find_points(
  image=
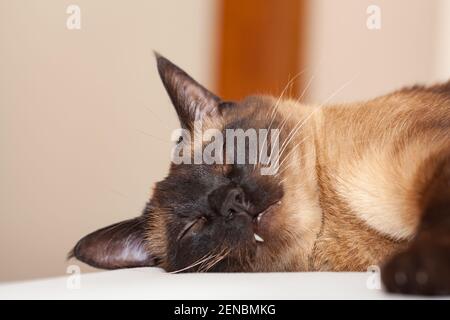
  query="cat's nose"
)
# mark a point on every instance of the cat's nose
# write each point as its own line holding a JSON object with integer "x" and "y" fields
{"x": 228, "y": 201}
{"x": 234, "y": 203}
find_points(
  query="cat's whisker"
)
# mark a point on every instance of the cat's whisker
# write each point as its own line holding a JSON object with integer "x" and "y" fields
{"x": 206, "y": 257}
{"x": 292, "y": 134}
{"x": 297, "y": 128}
{"x": 275, "y": 107}
{"x": 339, "y": 90}
{"x": 219, "y": 257}
{"x": 306, "y": 89}
{"x": 308, "y": 85}
{"x": 280, "y": 97}
{"x": 265, "y": 141}
{"x": 291, "y": 152}
{"x": 302, "y": 156}
{"x": 158, "y": 118}
{"x": 302, "y": 122}
{"x": 298, "y": 99}
{"x": 154, "y": 137}
{"x": 279, "y": 173}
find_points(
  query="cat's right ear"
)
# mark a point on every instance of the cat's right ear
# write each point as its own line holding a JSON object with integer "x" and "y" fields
{"x": 191, "y": 100}
{"x": 121, "y": 245}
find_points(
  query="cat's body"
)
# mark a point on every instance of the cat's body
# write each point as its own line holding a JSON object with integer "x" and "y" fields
{"x": 374, "y": 161}
{"x": 358, "y": 185}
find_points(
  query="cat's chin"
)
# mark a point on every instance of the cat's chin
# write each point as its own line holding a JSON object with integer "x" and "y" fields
{"x": 261, "y": 223}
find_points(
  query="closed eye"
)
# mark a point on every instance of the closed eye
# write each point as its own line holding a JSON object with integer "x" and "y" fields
{"x": 196, "y": 224}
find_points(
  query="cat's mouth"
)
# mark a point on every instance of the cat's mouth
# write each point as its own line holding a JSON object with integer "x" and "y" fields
{"x": 260, "y": 221}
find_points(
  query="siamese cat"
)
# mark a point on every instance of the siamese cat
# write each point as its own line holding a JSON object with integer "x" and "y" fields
{"x": 358, "y": 184}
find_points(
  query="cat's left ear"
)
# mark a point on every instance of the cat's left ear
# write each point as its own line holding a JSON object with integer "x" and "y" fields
{"x": 191, "y": 100}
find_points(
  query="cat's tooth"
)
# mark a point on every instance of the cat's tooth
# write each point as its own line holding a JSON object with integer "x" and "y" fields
{"x": 258, "y": 238}
{"x": 259, "y": 218}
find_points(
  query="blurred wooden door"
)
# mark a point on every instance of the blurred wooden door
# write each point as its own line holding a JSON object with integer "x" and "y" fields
{"x": 260, "y": 46}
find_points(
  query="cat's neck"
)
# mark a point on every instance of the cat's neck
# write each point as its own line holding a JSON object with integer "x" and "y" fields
{"x": 300, "y": 177}
{"x": 325, "y": 144}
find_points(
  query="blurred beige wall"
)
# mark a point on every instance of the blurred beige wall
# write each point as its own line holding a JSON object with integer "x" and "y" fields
{"x": 84, "y": 121}
{"x": 411, "y": 47}
{"x": 442, "y": 63}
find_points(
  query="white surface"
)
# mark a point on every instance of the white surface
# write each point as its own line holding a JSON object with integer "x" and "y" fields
{"x": 153, "y": 283}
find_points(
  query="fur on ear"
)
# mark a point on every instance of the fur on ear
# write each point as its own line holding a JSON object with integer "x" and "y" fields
{"x": 190, "y": 99}
{"x": 121, "y": 245}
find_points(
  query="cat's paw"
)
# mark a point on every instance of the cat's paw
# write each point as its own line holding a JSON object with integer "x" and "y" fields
{"x": 423, "y": 269}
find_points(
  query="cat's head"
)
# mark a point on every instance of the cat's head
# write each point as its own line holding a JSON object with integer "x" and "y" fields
{"x": 227, "y": 215}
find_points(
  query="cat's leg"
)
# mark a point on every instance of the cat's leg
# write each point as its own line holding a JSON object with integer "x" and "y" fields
{"x": 424, "y": 268}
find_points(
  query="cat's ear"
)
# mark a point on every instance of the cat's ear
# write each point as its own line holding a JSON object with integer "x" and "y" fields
{"x": 121, "y": 245}
{"x": 190, "y": 99}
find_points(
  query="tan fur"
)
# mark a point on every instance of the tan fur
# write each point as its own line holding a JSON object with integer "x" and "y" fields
{"x": 373, "y": 161}
{"x": 157, "y": 235}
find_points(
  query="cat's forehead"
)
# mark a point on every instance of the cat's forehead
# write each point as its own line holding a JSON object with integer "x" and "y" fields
{"x": 251, "y": 112}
